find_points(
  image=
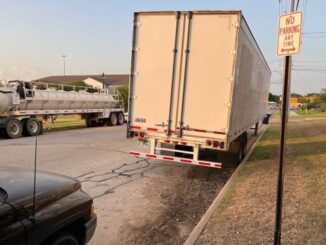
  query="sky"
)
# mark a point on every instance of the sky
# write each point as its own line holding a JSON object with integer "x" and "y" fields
{"x": 95, "y": 36}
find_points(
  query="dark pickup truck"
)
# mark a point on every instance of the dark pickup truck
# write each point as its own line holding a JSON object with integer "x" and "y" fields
{"x": 63, "y": 213}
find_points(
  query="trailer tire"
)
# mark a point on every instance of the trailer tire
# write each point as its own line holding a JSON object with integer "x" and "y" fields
{"x": 12, "y": 128}
{"x": 245, "y": 144}
{"x": 242, "y": 150}
{"x": 32, "y": 127}
{"x": 113, "y": 119}
{"x": 121, "y": 118}
{"x": 23, "y": 122}
{"x": 90, "y": 122}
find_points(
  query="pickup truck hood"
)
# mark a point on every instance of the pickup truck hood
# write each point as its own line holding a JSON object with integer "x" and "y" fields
{"x": 19, "y": 184}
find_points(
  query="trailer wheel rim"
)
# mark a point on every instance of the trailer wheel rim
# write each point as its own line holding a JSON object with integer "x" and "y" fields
{"x": 33, "y": 127}
{"x": 14, "y": 128}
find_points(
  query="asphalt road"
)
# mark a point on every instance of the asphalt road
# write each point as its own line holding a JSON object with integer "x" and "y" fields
{"x": 135, "y": 199}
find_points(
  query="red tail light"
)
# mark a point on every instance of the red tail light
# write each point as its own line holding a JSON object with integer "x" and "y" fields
{"x": 142, "y": 135}
{"x": 209, "y": 142}
{"x": 216, "y": 144}
{"x": 136, "y": 134}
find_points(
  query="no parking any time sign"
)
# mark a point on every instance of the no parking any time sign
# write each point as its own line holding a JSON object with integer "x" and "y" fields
{"x": 289, "y": 34}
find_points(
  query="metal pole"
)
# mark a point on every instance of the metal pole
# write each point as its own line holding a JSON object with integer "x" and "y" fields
{"x": 280, "y": 183}
{"x": 64, "y": 65}
{"x": 103, "y": 79}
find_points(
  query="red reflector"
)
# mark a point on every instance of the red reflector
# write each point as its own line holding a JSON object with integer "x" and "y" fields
{"x": 152, "y": 129}
{"x": 218, "y": 132}
{"x": 216, "y": 144}
{"x": 184, "y": 143}
{"x": 141, "y": 134}
{"x": 200, "y": 130}
{"x": 150, "y": 156}
{"x": 185, "y": 161}
{"x": 218, "y": 165}
{"x": 134, "y": 153}
{"x": 175, "y": 142}
{"x": 136, "y": 127}
{"x": 168, "y": 158}
{"x": 204, "y": 163}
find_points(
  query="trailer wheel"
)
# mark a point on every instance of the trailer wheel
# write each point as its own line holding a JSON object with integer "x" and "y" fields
{"x": 32, "y": 127}
{"x": 245, "y": 144}
{"x": 121, "y": 118}
{"x": 90, "y": 122}
{"x": 242, "y": 150}
{"x": 12, "y": 128}
{"x": 113, "y": 120}
{"x": 23, "y": 123}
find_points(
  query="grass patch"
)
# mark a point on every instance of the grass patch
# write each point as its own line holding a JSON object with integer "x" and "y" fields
{"x": 310, "y": 113}
{"x": 246, "y": 213}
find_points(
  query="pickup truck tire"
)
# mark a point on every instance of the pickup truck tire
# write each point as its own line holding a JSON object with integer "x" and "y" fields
{"x": 121, "y": 118}
{"x": 113, "y": 120}
{"x": 12, "y": 128}
{"x": 32, "y": 127}
{"x": 64, "y": 239}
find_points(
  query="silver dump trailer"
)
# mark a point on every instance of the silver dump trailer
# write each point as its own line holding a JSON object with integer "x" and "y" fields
{"x": 199, "y": 82}
{"x": 23, "y": 105}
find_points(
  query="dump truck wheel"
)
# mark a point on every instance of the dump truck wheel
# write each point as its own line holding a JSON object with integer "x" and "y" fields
{"x": 32, "y": 127}
{"x": 13, "y": 128}
{"x": 121, "y": 118}
{"x": 113, "y": 120}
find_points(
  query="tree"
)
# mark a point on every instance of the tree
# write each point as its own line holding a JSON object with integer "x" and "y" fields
{"x": 295, "y": 95}
{"x": 322, "y": 99}
{"x": 124, "y": 92}
{"x": 274, "y": 98}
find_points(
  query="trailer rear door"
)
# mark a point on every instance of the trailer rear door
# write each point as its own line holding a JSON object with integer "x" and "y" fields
{"x": 156, "y": 58}
{"x": 208, "y": 76}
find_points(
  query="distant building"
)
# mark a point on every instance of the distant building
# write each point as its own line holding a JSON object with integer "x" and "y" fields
{"x": 95, "y": 81}
{"x": 294, "y": 103}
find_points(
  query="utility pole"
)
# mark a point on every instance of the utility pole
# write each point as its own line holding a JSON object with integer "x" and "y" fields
{"x": 103, "y": 79}
{"x": 285, "y": 110}
{"x": 64, "y": 64}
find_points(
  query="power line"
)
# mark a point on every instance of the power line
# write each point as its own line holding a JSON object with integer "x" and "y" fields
{"x": 296, "y": 9}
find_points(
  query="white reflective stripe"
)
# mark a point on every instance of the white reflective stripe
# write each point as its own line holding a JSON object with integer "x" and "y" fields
{"x": 177, "y": 159}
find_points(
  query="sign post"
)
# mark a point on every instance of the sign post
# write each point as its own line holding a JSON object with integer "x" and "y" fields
{"x": 289, "y": 43}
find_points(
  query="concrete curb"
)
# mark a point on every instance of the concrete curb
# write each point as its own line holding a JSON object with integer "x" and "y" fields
{"x": 196, "y": 232}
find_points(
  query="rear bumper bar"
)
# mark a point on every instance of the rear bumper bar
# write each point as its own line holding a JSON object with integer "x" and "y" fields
{"x": 177, "y": 159}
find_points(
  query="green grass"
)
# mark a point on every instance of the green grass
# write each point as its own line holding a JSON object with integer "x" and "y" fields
{"x": 311, "y": 113}
{"x": 246, "y": 212}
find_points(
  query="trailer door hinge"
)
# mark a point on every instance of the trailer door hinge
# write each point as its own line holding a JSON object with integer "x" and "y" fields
{"x": 236, "y": 24}
{"x": 135, "y": 49}
{"x": 137, "y": 24}
{"x": 230, "y": 78}
{"x": 233, "y": 51}
{"x": 228, "y": 104}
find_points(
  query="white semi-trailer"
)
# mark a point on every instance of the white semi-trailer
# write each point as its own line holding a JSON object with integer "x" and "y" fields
{"x": 23, "y": 105}
{"x": 198, "y": 83}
